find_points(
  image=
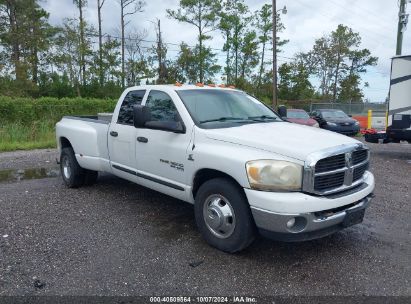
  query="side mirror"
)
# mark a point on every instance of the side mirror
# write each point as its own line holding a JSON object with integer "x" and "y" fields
{"x": 171, "y": 126}
{"x": 282, "y": 111}
{"x": 141, "y": 115}
{"x": 142, "y": 119}
{"x": 349, "y": 115}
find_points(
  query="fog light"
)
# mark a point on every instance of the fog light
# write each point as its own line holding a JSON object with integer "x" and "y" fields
{"x": 291, "y": 223}
{"x": 296, "y": 224}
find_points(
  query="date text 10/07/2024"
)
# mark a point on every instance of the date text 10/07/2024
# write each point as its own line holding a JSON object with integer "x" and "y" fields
{"x": 181, "y": 299}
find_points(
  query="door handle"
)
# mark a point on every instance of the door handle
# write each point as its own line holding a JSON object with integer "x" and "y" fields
{"x": 114, "y": 133}
{"x": 142, "y": 139}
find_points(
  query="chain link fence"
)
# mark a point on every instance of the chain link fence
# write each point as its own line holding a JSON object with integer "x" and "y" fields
{"x": 379, "y": 109}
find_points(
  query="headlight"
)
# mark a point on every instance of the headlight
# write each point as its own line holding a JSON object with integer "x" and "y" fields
{"x": 316, "y": 125}
{"x": 357, "y": 123}
{"x": 332, "y": 124}
{"x": 274, "y": 175}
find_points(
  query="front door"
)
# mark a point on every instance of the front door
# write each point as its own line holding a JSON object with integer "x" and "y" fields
{"x": 162, "y": 155}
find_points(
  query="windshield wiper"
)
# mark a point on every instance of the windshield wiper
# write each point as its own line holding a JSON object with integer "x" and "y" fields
{"x": 262, "y": 118}
{"x": 222, "y": 119}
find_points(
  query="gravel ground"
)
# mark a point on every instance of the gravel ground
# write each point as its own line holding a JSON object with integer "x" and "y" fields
{"x": 117, "y": 238}
{"x": 42, "y": 158}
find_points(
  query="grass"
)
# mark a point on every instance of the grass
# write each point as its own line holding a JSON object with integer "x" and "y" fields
{"x": 18, "y": 136}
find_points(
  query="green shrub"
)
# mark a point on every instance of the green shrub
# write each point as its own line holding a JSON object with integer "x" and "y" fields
{"x": 27, "y": 123}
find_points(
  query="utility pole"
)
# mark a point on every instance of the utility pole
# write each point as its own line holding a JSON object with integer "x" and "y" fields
{"x": 402, "y": 24}
{"x": 274, "y": 55}
{"x": 160, "y": 53}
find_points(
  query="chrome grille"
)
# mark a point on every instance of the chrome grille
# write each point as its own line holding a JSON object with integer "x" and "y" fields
{"x": 330, "y": 163}
{"x": 359, "y": 172}
{"x": 359, "y": 156}
{"x": 335, "y": 170}
{"x": 327, "y": 182}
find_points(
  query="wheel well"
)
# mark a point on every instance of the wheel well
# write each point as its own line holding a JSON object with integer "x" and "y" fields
{"x": 65, "y": 143}
{"x": 204, "y": 175}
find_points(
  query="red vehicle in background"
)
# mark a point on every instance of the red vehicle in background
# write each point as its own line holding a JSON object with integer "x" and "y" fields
{"x": 301, "y": 117}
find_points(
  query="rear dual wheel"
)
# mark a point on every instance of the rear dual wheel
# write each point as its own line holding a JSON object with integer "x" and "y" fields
{"x": 73, "y": 175}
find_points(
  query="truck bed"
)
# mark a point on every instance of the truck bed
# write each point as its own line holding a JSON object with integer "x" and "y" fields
{"x": 88, "y": 137}
{"x": 90, "y": 118}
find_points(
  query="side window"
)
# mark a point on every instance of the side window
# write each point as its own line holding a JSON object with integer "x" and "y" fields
{"x": 125, "y": 116}
{"x": 161, "y": 107}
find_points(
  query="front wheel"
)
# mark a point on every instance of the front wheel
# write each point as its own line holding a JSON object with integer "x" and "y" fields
{"x": 223, "y": 215}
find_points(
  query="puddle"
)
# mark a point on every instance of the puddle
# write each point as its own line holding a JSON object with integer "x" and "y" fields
{"x": 23, "y": 174}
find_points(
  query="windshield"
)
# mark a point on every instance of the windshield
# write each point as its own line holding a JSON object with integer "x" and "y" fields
{"x": 297, "y": 114}
{"x": 222, "y": 108}
{"x": 334, "y": 114}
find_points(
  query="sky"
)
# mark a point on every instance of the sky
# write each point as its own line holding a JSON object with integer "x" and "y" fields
{"x": 305, "y": 21}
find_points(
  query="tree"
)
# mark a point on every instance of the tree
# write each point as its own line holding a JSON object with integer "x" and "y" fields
{"x": 25, "y": 34}
{"x": 342, "y": 40}
{"x": 226, "y": 23}
{"x": 137, "y": 6}
{"x": 80, "y": 5}
{"x": 294, "y": 81}
{"x": 69, "y": 50}
{"x": 137, "y": 64}
{"x": 203, "y": 15}
{"x": 240, "y": 19}
{"x": 350, "y": 90}
{"x": 111, "y": 60}
{"x": 100, "y": 4}
{"x": 39, "y": 38}
{"x": 335, "y": 57}
{"x": 264, "y": 25}
{"x": 350, "y": 85}
{"x": 248, "y": 55}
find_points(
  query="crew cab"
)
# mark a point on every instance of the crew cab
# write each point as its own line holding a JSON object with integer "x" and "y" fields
{"x": 245, "y": 169}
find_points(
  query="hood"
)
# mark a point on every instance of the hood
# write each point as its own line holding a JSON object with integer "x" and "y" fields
{"x": 303, "y": 121}
{"x": 288, "y": 139}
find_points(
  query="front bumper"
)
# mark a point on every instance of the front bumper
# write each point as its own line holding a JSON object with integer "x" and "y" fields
{"x": 347, "y": 130}
{"x": 314, "y": 216}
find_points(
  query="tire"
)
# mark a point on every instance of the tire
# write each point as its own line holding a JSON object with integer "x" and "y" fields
{"x": 73, "y": 175}
{"x": 233, "y": 232}
{"x": 90, "y": 177}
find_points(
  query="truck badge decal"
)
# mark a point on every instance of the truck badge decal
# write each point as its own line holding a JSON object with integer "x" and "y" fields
{"x": 172, "y": 164}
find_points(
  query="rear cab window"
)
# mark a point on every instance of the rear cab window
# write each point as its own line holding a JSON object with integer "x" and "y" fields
{"x": 133, "y": 98}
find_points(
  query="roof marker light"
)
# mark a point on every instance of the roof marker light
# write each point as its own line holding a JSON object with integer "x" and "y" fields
{"x": 221, "y": 85}
{"x": 177, "y": 84}
{"x": 231, "y": 87}
{"x": 211, "y": 85}
{"x": 199, "y": 84}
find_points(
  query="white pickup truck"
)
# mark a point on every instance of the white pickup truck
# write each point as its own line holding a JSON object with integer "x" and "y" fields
{"x": 243, "y": 167}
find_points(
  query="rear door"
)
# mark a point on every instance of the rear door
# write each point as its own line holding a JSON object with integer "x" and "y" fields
{"x": 121, "y": 135}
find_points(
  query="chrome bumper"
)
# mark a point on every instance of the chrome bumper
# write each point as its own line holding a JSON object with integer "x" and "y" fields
{"x": 305, "y": 226}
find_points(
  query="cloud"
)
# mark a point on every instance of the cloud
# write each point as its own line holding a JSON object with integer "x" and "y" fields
{"x": 376, "y": 21}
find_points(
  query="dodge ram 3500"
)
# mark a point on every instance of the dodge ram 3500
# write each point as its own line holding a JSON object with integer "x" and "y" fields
{"x": 243, "y": 167}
